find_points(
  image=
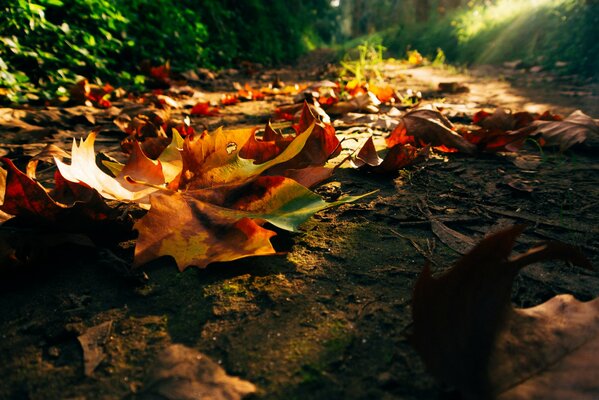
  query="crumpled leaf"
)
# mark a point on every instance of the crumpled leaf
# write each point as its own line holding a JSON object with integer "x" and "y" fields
{"x": 385, "y": 93}
{"x": 23, "y": 196}
{"x": 398, "y": 157}
{"x": 423, "y": 127}
{"x": 463, "y": 320}
{"x": 166, "y": 169}
{"x": 223, "y": 223}
{"x": 502, "y": 119}
{"x": 500, "y": 131}
{"x": 268, "y": 147}
{"x": 182, "y": 373}
{"x": 213, "y": 159}
{"x": 246, "y": 92}
{"x": 575, "y": 128}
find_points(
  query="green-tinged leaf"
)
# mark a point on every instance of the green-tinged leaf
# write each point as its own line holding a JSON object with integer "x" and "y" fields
{"x": 223, "y": 224}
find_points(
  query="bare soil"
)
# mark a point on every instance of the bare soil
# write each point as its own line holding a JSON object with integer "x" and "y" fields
{"x": 330, "y": 316}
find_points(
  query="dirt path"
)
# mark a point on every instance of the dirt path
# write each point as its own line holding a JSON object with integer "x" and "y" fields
{"x": 329, "y": 317}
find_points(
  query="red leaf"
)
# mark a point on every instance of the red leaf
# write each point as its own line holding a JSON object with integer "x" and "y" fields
{"x": 23, "y": 196}
{"x": 72, "y": 204}
{"x": 424, "y": 127}
{"x": 398, "y": 157}
{"x": 204, "y": 108}
{"x": 498, "y": 140}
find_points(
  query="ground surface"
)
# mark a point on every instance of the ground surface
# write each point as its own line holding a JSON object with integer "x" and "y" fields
{"x": 328, "y": 318}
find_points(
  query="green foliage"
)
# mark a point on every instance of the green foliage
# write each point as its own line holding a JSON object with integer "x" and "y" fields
{"x": 362, "y": 62}
{"x": 162, "y": 30}
{"x": 48, "y": 43}
{"x": 52, "y": 40}
{"x": 268, "y": 32}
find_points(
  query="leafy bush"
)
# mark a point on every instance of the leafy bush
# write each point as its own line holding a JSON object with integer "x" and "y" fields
{"x": 46, "y": 43}
{"x": 52, "y": 40}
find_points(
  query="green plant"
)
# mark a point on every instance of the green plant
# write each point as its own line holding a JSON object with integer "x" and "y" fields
{"x": 362, "y": 63}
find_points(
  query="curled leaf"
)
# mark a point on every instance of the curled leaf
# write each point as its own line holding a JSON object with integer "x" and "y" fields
{"x": 423, "y": 127}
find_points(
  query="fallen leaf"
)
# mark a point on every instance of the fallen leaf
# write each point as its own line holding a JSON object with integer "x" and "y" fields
{"x": 470, "y": 336}
{"x": 365, "y": 102}
{"x": 385, "y": 93}
{"x": 85, "y": 93}
{"x": 183, "y": 373}
{"x": 213, "y": 159}
{"x": 502, "y": 119}
{"x": 229, "y": 99}
{"x": 204, "y": 108}
{"x": 160, "y": 75}
{"x": 423, "y": 127}
{"x": 574, "y": 129}
{"x": 398, "y": 157}
{"x": 223, "y": 223}
{"x": 83, "y": 169}
{"x": 246, "y": 92}
{"x": 47, "y": 154}
{"x": 69, "y": 207}
{"x": 25, "y": 197}
{"x": 92, "y": 342}
{"x": 322, "y": 144}
{"x": 498, "y": 140}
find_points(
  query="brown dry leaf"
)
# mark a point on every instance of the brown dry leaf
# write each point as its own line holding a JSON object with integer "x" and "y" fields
{"x": 183, "y": 373}
{"x": 502, "y": 119}
{"x": 465, "y": 325}
{"x": 398, "y": 157}
{"x": 365, "y": 102}
{"x": 428, "y": 127}
{"x": 575, "y": 128}
{"x": 92, "y": 342}
{"x": 549, "y": 352}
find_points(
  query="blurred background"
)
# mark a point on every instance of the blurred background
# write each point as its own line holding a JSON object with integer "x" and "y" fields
{"x": 45, "y": 43}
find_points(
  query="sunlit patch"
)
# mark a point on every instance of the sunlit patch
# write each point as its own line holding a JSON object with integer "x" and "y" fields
{"x": 231, "y": 147}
